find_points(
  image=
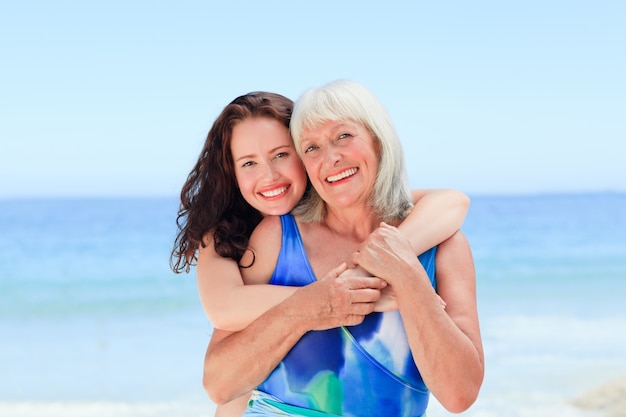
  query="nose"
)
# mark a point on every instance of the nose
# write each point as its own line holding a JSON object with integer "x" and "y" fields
{"x": 331, "y": 155}
{"x": 271, "y": 172}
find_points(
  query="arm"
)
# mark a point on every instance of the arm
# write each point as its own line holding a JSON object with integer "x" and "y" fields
{"x": 447, "y": 345}
{"x": 227, "y": 302}
{"x": 436, "y": 215}
{"x": 230, "y": 305}
{"x": 237, "y": 362}
{"x": 232, "y": 364}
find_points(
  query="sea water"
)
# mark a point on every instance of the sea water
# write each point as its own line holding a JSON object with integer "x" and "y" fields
{"x": 94, "y": 323}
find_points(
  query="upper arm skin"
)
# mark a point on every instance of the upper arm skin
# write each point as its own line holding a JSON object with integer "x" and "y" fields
{"x": 456, "y": 282}
{"x": 227, "y": 302}
{"x": 436, "y": 215}
{"x": 265, "y": 242}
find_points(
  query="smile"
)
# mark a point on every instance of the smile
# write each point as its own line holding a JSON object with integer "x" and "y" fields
{"x": 344, "y": 174}
{"x": 275, "y": 192}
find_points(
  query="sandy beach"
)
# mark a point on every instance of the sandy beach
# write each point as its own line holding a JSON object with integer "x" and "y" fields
{"x": 608, "y": 398}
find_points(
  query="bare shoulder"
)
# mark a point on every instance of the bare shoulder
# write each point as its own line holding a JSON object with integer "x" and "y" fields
{"x": 454, "y": 259}
{"x": 264, "y": 245}
{"x": 458, "y": 241}
{"x": 269, "y": 227}
{"x": 456, "y": 276}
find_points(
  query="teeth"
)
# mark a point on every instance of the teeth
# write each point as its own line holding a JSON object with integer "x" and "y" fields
{"x": 345, "y": 174}
{"x": 274, "y": 192}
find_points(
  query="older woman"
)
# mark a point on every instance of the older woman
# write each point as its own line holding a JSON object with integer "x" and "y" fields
{"x": 370, "y": 365}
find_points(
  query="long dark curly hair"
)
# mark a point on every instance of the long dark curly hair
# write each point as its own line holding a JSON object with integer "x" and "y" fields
{"x": 210, "y": 198}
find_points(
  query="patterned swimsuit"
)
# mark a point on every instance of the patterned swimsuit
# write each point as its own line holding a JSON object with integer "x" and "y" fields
{"x": 364, "y": 370}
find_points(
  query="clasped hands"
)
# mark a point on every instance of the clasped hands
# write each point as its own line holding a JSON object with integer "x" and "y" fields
{"x": 350, "y": 292}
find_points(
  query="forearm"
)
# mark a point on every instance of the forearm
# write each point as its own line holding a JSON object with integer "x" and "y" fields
{"x": 240, "y": 306}
{"x": 448, "y": 359}
{"x": 436, "y": 215}
{"x": 235, "y": 363}
{"x": 445, "y": 343}
{"x": 227, "y": 302}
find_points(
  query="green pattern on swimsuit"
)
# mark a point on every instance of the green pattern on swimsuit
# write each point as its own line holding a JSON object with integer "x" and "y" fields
{"x": 323, "y": 384}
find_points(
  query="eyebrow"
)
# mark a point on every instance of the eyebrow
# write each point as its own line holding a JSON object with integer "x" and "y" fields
{"x": 343, "y": 124}
{"x": 270, "y": 151}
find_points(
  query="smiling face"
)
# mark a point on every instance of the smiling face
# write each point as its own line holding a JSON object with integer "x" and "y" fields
{"x": 341, "y": 160}
{"x": 269, "y": 172}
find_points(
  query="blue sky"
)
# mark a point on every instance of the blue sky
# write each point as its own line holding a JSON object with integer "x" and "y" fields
{"x": 114, "y": 98}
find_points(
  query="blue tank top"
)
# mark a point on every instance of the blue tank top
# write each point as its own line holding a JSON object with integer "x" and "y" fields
{"x": 364, "y": 370}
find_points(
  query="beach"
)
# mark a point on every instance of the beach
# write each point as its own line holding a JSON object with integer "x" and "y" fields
{"x": 94, "y": 322}
{"x": 609, "y": 398}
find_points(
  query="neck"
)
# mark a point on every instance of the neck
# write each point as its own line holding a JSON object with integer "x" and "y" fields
{"x": 358, "y": 223}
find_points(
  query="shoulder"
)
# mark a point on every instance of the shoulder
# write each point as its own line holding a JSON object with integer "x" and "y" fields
{"x": 267, "y": 233}
{"x": 265, "y": 243}
{"x": 269, "y": 226}
{"x": 454, "y": 254}
{"x": 210, "y": 263}
{"x": 457, "y": 241}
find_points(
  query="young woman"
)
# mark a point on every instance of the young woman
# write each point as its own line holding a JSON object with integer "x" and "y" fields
{"x": 249, "y": 168}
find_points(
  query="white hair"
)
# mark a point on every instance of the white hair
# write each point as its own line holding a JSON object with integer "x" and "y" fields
{"x": 349, "y": 100}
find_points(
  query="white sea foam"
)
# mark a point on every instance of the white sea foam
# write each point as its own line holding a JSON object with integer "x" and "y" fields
{"x": 105, "y": 409}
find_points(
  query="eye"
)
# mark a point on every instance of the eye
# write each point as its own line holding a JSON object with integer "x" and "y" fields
{"x": 344, "y": 136}
{"x": 281, "y": 155}
{"x": 248, "y": 164}
{"x": 310, "y": 148}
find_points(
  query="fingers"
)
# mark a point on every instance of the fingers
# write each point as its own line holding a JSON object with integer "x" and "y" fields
{"x": 355, "y": 271}
{"x": 366, "y": 295}
{"x": 442, "y": 302}
{"x": 344, "y": 300}
{"x": 360, "y": 282}
{"x": 335, "y": 272}
{"x": 353, "y": 320}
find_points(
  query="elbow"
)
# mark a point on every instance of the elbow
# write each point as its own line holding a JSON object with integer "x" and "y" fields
{"x": 223, "y": 317}
{"x": 461, "y": 399}
{"x": 215, "y": 390}
{"x": 463, "y": 201}
{"x": 219, "y": 320}
{"x": 216, "y": 383}
{"x": 461, "y": 402}
{"x": 456, "y": 208}
{"x": 462, "y": 208}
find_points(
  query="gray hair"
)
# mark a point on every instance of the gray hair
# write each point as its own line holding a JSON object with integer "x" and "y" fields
{"x": 348, "y": 100}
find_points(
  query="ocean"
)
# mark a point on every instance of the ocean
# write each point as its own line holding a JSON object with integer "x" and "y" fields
{"x": 94, "y": 323}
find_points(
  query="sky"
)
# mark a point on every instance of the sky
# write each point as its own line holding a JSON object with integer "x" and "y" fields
{"x": 115, "y": 98}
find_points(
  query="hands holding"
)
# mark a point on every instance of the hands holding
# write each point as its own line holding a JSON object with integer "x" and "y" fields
{"x": 387, "y": 254}
{"x": 387, "y": 300}
{"x": 346, "y": 295}
{"x": 342, "y": 298}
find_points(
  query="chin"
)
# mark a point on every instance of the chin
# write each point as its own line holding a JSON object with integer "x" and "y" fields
{"x": 277, "y": 211}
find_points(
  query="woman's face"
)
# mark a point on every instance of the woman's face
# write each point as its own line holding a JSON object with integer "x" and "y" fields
{"x": 341, "y": 159}
{"x": 269, "y": 172}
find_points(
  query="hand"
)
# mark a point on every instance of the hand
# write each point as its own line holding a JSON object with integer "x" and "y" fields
{"x": 354, "y": 271}
{"x": 387, "y": 254}
{"x": 387, "y": 300}
{"x": 338, "y": 300}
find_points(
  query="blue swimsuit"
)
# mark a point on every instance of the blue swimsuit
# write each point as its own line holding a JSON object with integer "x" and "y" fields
{"x": 364, "y": 370}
